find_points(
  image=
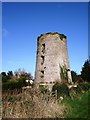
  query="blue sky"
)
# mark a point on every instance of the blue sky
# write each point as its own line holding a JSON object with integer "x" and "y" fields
{"x": 24, "y": 22}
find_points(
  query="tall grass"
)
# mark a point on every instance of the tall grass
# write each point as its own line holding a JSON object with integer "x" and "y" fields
{"x": 31, "y": 103}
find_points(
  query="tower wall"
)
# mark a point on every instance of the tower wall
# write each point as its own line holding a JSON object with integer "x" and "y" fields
{"x": 51, "y": 56}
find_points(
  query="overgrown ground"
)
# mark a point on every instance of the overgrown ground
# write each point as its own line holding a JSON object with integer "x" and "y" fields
{"x": 31, "y": 103}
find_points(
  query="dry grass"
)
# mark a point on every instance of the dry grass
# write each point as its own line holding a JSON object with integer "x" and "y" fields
{"x": 30, "y": 103}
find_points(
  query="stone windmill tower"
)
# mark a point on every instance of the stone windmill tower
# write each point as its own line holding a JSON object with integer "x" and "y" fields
{"x": 52, "y": 61}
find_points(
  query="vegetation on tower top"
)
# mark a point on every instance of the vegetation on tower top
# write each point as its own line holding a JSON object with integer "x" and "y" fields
{"x": 53, "y": 33}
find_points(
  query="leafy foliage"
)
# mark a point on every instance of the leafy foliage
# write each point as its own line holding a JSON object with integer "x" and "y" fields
{"x": 74, "y": 92}
{"x": 76, "y": 78}
{"x": 4, "y": 77}
{"x": 85, "y": 73}
{"x": 84, "y": 86}
{"x": 15, "y": 80}
{"x": 61, "y": 88}
{"x": 63, "y": 72}
{"x": 11, "y": 85}
{"x": 9, "y": 74}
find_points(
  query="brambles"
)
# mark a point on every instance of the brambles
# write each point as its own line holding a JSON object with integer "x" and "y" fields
{"x": 62, "y": 89}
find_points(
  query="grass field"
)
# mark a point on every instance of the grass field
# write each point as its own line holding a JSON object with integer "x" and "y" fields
{"x": 78, "y": 107}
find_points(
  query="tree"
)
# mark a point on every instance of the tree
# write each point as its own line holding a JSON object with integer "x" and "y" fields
{"x": 22, "y": 74}
{"x": 14, "y": 81}
{"x": 85, "y": 73}
{"x": 3, "y": 73}
{"x": 74, "y": 76}
{"x": 16, "y": 75}
{"x": 4, "y": 77}
{"x": 10, "y": 74}
{"x": 26, "y": 76}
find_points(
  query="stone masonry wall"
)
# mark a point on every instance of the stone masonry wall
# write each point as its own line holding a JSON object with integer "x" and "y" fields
{"x": 51, "y": 54}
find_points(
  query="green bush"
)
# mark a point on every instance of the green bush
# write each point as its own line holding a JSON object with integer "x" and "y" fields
{"x": 61, "y": 88}
{"x": 84, "y": 86}
{"x": 74, "y": 91}
{"x": 12, "y": 84}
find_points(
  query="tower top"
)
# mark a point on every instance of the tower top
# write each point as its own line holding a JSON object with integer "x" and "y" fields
{"x": 62, "y": 36}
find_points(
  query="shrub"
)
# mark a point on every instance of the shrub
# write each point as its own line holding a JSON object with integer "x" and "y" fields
{"x": 12, "y": 84}
{"x": 21, "y": 82}
{"x": 74, "y": 91}
{"x": 84, "y": 86}
{"x": 62, "y": 89}
{"x": 9, "y": 85}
